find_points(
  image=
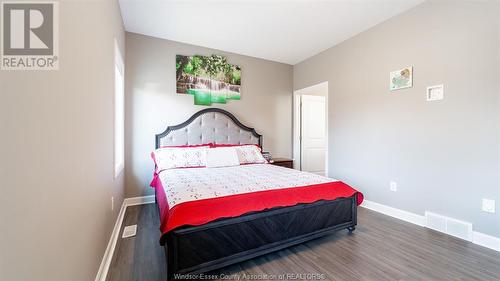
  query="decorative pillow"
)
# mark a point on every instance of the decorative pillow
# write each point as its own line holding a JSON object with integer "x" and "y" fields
{"x": 250, "y": 154}
{"x": 179, "y": 157}
{"x": 222, "y": 157}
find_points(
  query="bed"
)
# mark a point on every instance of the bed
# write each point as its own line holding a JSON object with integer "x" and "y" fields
{"x": 215, "y": 217}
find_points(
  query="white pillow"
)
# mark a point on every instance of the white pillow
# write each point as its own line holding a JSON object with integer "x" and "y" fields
{"x": 250, "y": 154}
{"x": 222, "y": 157}
{"x": 180, "y": 157}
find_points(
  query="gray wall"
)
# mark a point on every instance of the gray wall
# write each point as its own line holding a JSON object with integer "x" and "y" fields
{"x": 56, "y": 153}
{"x": 444, "y": 155}
{"x": 152, "y": 103}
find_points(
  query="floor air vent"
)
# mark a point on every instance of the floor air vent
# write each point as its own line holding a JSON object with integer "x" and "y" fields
{"x": 129, "y": 231}
{"x": 451, "y": 226}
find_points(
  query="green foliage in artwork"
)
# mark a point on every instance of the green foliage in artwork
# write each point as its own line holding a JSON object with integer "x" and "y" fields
{"x": 236, "y": 75}
{"x": 213, "y": 67}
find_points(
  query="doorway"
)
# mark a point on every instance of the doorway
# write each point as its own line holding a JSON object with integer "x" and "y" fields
{"x": 310, "y": 141}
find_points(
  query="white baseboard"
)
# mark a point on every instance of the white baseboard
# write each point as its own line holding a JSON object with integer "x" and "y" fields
{"x": 110, "y": 249}
{"x": 102, "y": 273}
{"x": 395, "y": 213}
{"x": 132, "y": 201}
{"x": 478, "y": 238}
{"x": 486, "y": 240}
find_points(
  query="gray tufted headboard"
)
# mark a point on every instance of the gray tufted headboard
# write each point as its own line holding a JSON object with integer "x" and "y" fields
{"x": 211, "y": 125}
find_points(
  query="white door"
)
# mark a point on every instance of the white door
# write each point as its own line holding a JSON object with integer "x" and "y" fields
{"x": 313, "y": 134}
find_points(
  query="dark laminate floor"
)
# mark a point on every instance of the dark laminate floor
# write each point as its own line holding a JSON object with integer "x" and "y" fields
{"x": 381, "y": 248}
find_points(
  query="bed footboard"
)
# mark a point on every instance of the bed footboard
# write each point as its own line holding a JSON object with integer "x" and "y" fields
{"x": 199, "y": 249}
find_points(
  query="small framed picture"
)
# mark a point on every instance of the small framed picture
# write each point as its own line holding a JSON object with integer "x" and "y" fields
{"x": 401, "y": 79}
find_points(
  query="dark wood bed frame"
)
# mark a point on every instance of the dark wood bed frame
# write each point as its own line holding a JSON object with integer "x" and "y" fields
{"x": 199, "y": 249}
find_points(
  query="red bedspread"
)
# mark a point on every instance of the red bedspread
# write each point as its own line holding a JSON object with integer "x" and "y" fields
{"x": 206, "y": 210}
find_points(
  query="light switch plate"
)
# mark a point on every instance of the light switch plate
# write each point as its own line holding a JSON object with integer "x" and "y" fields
{"x": 129, "y": 231}
{"x": 435, "y": 93}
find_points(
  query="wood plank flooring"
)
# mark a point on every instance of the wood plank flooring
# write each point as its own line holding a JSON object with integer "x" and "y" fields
{"x": 381, "y": 248}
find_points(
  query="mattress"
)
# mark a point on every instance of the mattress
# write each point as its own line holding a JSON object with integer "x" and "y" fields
{"x": 195, "y": 196}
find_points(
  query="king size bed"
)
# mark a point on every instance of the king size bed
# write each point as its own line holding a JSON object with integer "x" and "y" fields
{"x": 214, "y": 215}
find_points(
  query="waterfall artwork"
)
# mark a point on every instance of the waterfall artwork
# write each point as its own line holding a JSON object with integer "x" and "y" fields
{"x": 210, "y": 79}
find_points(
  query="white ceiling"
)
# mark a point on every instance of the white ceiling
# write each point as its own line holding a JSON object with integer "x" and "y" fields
{"x": 283, "y": 31}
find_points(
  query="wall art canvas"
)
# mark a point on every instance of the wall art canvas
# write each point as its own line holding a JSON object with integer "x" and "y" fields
{"x": 210, "y": 79}
{"x": 401, "y": 79}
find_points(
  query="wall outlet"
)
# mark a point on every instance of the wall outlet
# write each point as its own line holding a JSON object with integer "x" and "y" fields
{"x": 393, "y": 186}
{"x": 112, "y": 203}
{"x": 489, "y": 205}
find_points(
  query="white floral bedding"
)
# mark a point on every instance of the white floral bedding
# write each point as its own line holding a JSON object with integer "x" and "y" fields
{"x": 183, "y": 185}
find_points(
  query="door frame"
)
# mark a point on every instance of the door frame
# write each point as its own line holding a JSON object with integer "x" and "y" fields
{"x": 319, "y": 87}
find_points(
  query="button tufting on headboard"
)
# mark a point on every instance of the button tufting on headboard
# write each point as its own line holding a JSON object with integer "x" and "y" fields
{"x": 211, "y": 125}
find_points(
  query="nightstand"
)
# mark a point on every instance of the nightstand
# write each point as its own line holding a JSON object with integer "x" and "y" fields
{"x": 283, "y": 162}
